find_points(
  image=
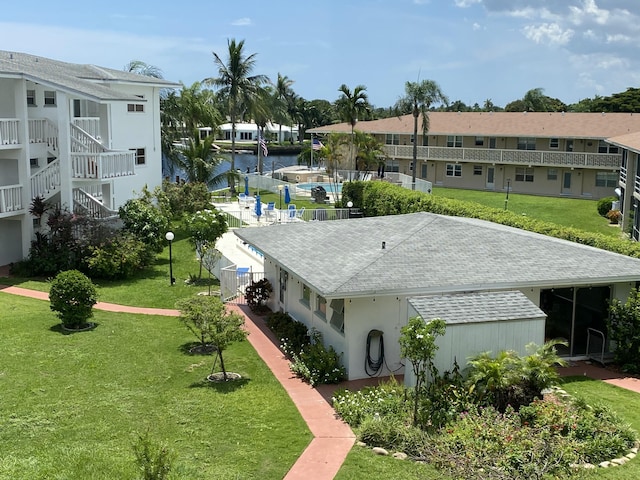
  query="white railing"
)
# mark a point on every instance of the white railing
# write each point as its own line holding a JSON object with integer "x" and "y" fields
{"x": 81, "y": 141}
{"x": 623, "y": 175}
{"x": 91, "y": 125}
{"x": 10, "y": 198}
{"x": 91, "y": 206}
{"x": 9, "y": 131}
{"x": 517, "y": 157}
{"x": 100, "y": 166}
{"x": 43, "y": 130}
{"x": 46, "y": 181}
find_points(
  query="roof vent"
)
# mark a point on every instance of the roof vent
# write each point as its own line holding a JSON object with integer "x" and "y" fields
{"x": 11, "y": 56}
{"x": 384, "y": 245}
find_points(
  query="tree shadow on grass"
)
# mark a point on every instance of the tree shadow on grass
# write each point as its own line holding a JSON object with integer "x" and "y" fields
{"x": 58, "y": 328}
{"x": 196, "y": 348}
{"x": 221, "y": 387}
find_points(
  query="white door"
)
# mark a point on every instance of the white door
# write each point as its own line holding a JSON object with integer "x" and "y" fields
{"x": 491, "y": 172}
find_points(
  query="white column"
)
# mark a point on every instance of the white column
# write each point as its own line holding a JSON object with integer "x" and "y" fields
{"x": 64, "y": 150}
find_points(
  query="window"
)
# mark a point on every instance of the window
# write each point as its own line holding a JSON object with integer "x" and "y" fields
{"x": 604, "y": 147}
{"x": 392, "y": 139}
{"x": 492, "y": 142}
{"x": 33, "y": 162}
{"x": 479, "y": 141}
{"x": 454, "y": 141}
{"x": 454, "y": 170}
{"x": 49, "y": 98}
{"x": 321, "y": 307}
{"x": 554, "y": 143}
{"x": 606, "y": 179}
{"x": 141, "y": 157}
{"x": 306, "y": 295}
{"x": 524, "y": 174}
{"x": 337, "y": 314}
{"x": 477, "y": 169}
{"x": 31, "y": 98}
{"x": 552, "y": 174}
{"x": 526, "y": 143}
{"x": 135, "y": 107}
{"x": 246, "y": 135}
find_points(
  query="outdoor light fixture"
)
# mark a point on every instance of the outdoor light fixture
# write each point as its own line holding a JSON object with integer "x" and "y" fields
{"x": 170, "y": 236}
{"x": 506, "y": 200}
{"x": 349, "y": 206}
{"x": 280, "y": 187}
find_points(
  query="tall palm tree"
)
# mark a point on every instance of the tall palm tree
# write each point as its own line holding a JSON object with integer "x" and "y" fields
{"x": 142, "y": 68}
{"x": 369, "y": 151}
{"x": 236, "y": 86}
{"x": 283, "y": 92}
{"x": 417, "y": 99}
{"x": 350, "y": 107}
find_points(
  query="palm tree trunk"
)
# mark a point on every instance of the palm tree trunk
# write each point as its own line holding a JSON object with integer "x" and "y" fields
{"x": 232, "y": 183}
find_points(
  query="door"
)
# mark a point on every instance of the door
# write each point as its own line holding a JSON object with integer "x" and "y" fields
{"x": 491, "y": 171}
{"x": 566, "y": 183}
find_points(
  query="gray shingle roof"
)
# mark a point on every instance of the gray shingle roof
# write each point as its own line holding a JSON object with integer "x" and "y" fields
{"x": 427, "y": 253}
{"x": 477, "y": 307}
{"x": 86, "y": 80}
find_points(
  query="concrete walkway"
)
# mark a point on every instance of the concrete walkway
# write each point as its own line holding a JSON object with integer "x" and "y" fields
{"x": 333, "y": 438}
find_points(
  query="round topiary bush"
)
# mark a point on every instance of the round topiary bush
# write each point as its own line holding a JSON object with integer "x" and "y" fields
{"x": 604, "y": 205}
{"x": 72, "y": 297}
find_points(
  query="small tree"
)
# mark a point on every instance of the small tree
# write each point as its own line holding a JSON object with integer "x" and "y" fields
{"x": 72, "y": 296}
{"x": 208, "y": 319}
{"x": 154, "y": 460}
{"x": 418, "y": 345}
{"x": 623, "y": 326}
{"x": 257, "y": 295}
{"x": 204, "y": 228}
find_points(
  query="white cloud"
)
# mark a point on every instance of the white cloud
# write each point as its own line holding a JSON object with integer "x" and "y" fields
{"x": 466, "y": 3}
{"x": 589, "y": 12}
{"x": 476, "y": 26}
{"x": 550, "y": 33}
{"x": 619, "y": 38}
{"x": 242, "y": 22}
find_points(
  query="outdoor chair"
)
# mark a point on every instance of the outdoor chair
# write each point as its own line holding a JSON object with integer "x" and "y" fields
{"x": 291, "y": 213}
{"x": 300, "y": 213}
{"x": 270, "y": 210}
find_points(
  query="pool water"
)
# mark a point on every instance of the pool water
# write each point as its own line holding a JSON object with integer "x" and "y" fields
{"x": 329, "y": 187}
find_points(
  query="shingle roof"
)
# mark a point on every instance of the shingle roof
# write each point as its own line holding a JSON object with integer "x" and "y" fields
{"x": 508, "y": 124}
{"x": 478, "y": 307}
{"x": 427, "y": 253}
{"x": 630, "y": 141}
{"x": 87, "y": 80}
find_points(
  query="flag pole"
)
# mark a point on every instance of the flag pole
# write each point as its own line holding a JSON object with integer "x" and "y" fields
{"x": 311, "y": 167}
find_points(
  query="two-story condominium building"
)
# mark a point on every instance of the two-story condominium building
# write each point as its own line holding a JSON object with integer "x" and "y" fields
{"x": 80, "y": 136}
{"x": 540, "y": 153}
{"x": 629, "y": 183}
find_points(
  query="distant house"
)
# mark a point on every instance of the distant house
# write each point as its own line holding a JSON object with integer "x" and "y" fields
{"x": 248, "y": 132}
{"x": 629, "y": 181}
{"x": 497, "y": 287}
{"x": 81, "y": 136}
{"x": 541, "y": 153}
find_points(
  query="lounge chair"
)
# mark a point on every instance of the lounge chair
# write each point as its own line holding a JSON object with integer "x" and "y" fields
{"x": 299, "y": 214}
{"x": 270, "y": 210}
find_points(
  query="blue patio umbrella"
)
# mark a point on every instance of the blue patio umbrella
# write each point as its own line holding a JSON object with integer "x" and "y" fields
{"x": 287, "y": 196}
{"x": 246, "y": 185}
{"x": 258, "y": 207}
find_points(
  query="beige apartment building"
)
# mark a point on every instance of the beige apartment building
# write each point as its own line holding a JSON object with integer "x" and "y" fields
{"x": 629, "y": 182}
{"x": 539, "y": 153}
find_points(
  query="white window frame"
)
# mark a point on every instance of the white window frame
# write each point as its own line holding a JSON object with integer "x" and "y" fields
{"x": 321, "y": 307}
{"x": 141, "y": 156}
{"x": 392, "y": 139}
{"x": 526, "y": 143}
{"x": 31, "y": 98}
{"x": 479, "y": 141}
{"x": 524, "y": 174}
{"x": 607, "y": 179}
{"x": 554, "y": 143}
{"x": 552, "y": 174}
{"x": 135, "y": 107}
{"x": 50, "y": 98}
{"x": 454, "y": 170}
{"x": 454, "y": 141}
{"x": 477, "y": 169}
{"x": 305, "y": 295}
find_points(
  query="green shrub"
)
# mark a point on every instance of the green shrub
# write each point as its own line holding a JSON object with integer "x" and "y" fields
{"x": 257, "y": 295}
{"x": 386, "y": 399}
{"x": 141, "y": 218}
{"x": 119, "y": 258}
{"x": 72, "y": 297}
{"x": 295, "y": 334}
{"x": 179, "y": 199}
{"x": 604, "y": 205}
{"x": 392, "y": 433}
{"x": 623, "y": 325}
{"x": 154, "y": 461}
{"x": 315, "y": 363}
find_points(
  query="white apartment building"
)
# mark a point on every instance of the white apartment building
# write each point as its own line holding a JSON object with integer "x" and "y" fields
{"x": 81, "y": 136}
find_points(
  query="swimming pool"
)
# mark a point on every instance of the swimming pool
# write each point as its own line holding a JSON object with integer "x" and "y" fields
{"x": 329, "y": 187}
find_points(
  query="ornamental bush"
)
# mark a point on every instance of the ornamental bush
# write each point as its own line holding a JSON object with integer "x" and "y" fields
{"x": 604, "y": 205}
{"x": 295, "y": 334}
{"x": 315, "y": 363}
{"x": 72, "y": 297}
{"x": 257, "y": 295}
{"x": 118, "y": 258}
{"x": 141, "y": 218}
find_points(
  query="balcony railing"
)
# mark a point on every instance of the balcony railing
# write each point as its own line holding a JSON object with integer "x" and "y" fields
{"x": 101, "y": 166}
{"x": 9, "y": 128}
{"x": 43, "y": 130}
{"x": 607, "y": 161}
{"x": 10, "y": 198}
{"x": 46, "y": 182}
{"x": 91, "y": 125}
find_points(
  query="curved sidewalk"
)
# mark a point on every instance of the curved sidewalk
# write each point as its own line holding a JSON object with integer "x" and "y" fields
{"x": 333, "y": 438}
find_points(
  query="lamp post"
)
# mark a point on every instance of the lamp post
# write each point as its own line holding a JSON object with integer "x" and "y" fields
{"x": 169, "y": 236}
{"x": 349, "y": 206}
{"x": 280, "y": 187}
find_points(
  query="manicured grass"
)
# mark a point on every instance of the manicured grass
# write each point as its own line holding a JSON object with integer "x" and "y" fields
{"x": 71, "y": 405}
{"x": 569, "y": 212}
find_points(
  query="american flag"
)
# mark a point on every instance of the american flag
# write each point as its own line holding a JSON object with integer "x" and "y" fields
{"x": 316, "y": 144}
{"x": 263, "y": 145}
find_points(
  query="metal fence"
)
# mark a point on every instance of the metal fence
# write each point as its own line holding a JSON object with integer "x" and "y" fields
{"x": 234, "y": 281}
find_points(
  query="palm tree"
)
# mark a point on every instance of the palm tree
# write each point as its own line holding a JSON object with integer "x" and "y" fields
{"x": 199, "y": 161}
{"x": 369, "y": 151}
{"x": 350, "y": 107}
{"x": 283, "y": 92}
{"x": 417, "y": 99}
{"x": 236, "y": 86}
{"x": 332, "y": 152}
{"x": 142, "y": 68}
{"x": 536, "y": 101}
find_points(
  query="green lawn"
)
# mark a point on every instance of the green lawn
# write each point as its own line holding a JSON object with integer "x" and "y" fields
{"x": 569, "y": 212}
{"x": 71, "y": 405}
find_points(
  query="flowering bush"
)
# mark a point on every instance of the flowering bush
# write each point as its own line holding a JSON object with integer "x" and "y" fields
{"x": 315, "y": 363}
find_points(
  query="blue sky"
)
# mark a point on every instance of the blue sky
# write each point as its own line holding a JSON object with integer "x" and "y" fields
{"x": 475, "y": 49}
